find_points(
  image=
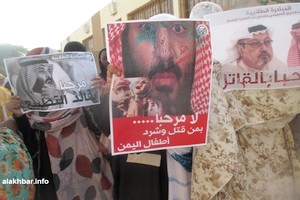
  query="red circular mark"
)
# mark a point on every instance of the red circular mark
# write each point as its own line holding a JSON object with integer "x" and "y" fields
{"x": 83, "y": 166}
{"x": 53, "y": 146}
{"x": 67, "y": 131}
{"x": 105, "y": 183}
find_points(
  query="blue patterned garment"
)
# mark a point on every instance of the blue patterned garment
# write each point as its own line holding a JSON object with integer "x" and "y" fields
{"x": 185, "y": 160}
{"x": 16, "y": 170}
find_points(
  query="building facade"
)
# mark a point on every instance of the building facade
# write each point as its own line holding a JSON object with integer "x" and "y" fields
{"x": 92, "y": 32}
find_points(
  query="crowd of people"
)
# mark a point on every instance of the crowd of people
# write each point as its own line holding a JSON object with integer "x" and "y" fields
{"x": 253, "y": 149}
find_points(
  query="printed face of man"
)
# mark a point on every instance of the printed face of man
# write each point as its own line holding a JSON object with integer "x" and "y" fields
{"x": 165, "y": 52}
{"x": 45, "y": 72}
{"x": 256, "y": 52}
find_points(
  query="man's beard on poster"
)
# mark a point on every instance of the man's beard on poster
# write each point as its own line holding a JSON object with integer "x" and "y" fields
{"x": 178, "y": 105}
{"x": 164, "y": 70}
{"x": 265, "y": 57}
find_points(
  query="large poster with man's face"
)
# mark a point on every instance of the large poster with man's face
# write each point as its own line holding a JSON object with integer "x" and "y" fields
{"x": 162, "y": 98}
{"x": 259, "y": 47}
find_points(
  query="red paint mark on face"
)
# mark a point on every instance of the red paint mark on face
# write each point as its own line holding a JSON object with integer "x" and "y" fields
{"x": 183, "y": 58}
{"x": 182, "y": 49}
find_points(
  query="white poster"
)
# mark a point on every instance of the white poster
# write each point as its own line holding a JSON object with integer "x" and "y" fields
{"x": 53, "y": 81}
{"x": 258, "y": 46}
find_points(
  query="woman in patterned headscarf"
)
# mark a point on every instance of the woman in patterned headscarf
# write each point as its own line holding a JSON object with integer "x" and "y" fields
{"x": 16, "y": 173}
{"x": 79, "y": 169}
{"x": 253, "y": 149}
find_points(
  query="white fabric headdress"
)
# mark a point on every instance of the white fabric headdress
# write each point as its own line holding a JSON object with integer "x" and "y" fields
{"x": 204, "y": 8}
{"x": 243, "y": 33}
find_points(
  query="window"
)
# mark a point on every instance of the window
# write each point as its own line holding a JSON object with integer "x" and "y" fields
{"x": 153, "y": 8}
{"x": 89, "y": 44}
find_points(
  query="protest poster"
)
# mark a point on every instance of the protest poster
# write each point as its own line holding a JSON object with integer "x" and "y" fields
{"x": 258, "y": 46}
{"x": 162, "y": 99}
{"x": 53, "y": 81}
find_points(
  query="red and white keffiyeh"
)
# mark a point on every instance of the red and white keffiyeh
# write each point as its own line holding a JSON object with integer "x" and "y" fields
{"x": 293, "y": 59}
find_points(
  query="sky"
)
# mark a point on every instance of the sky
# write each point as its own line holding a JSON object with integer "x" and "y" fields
{"x": 36, "y": 23}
